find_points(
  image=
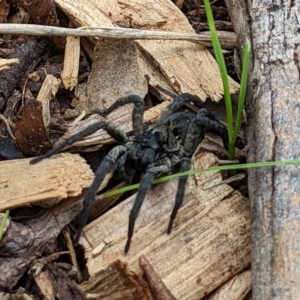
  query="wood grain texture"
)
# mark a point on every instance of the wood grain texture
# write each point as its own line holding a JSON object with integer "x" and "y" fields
{"x": 186, "y": 66}
{"x": 209, "y": 244}
{"x": 63, "y": 176}
{"x": 237, "y": 288}
{"x": 273, "y": 134}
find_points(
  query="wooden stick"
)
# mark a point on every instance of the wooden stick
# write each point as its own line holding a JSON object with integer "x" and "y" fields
{"x": 119, "y": 33}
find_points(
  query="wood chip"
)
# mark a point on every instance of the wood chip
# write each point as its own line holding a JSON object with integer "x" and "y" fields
{"x": 234, "y": 289}
{"x": 47, "y": 92}
{"x": 6, "y": 63}
{"x": 60, "y": 177}
{"x": 46, "y": 284}
{"x": 115, "y": 74}
{"x": 209, "y": 244}
{"x": 70, "y": 71}
{"x": 31, "y": 134}
{"x": 116, "y": 282}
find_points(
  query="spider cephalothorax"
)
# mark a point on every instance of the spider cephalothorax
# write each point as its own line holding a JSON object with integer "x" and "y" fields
{"x": 153, "y": 151}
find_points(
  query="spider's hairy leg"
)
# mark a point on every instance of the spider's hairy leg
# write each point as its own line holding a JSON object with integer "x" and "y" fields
{"x": 207, "y": 119}
{"x": 145, "y": 185}
{"x": 178, "y": 102}
{"x": 111, "y": 130}
{"x": 137, "y": 113}
{"x": 121, "y": 168}
{"x": 193, "y": 138}
{"x": 107, "y": 165}
{"x": 185, "y": 166}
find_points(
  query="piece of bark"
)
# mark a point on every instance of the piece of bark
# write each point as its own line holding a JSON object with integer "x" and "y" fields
{"x": 60, "y": 177}
{"x": 43, "y": 12}
{"x": 55, "y": 281}
{"x": 157, "y": 286}
{"x": 46, "y": 284}
{"x": 21, "y": 16}
{"x": 179, "y": 62}
{"x": 209, "y": 244}
{"x": 116, "y": 282}
{"x": 31, "y": 134}
{"x": 4, "y": 11}
{"x": 66, "y": 288}
{"x": 9, "y": 78}
{"x": 273, "y": 134}
{"x": 47, "y": 92}
{"x": 70, "y": 71}
{"x": 115, "y": 74}
{"x": 23, "y": 243}
{"x": 236, "y": 288}
{"x": 11, "y": 108}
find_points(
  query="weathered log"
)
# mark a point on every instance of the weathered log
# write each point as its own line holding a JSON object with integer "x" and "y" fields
{"x": 273, "y": 134}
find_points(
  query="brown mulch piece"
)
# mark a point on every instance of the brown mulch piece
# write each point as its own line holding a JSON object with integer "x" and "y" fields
{"x": 23, "y": 243}
{"x": 9, "y": 78}
{"x": 31, "y": 134}
{"x": 41, "y": 11}
{"x": 116, "y": 282}
{"x": 10, "y": 110}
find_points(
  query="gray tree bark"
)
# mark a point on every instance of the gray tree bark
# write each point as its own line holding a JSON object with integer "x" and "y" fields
{"x": 273, "y": 132}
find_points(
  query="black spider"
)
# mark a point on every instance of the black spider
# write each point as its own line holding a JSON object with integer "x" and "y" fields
{"x": 152, "y": 152}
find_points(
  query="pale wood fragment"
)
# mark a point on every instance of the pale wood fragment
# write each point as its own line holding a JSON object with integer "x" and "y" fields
{"x": 65, "y": 175}
{"x": 69, "y": 74}
{"x": 209, "y": 244}
{"x": 46, "y": 284}
{"x": 236, "y": 288}
{"x": 47, "y": 92}
{"x": 6, "y": 63}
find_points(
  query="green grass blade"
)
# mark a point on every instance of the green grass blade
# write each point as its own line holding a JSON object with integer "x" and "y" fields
{"x": 243, "y": 88}
{"x": 197, "y": 171}
{"x": 2, "y": 225}
{"x": 223, "y": 71}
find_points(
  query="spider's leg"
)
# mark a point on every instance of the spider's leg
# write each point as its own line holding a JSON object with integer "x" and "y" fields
{"x": 111, "y": 130}
{"x": 178, "y": 102}
{"x": 193, "y": 138}
{"x": 145, "y": 185}
{"x": 121, "y": 168}
{"x": 107, "y": 165}
{"x": 207, "y": 119}
{"x": 137, "y": 113}
{"x": 185, "y": 166}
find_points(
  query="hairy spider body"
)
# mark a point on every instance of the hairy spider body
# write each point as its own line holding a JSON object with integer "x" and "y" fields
{"x": 152, "y": 151}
